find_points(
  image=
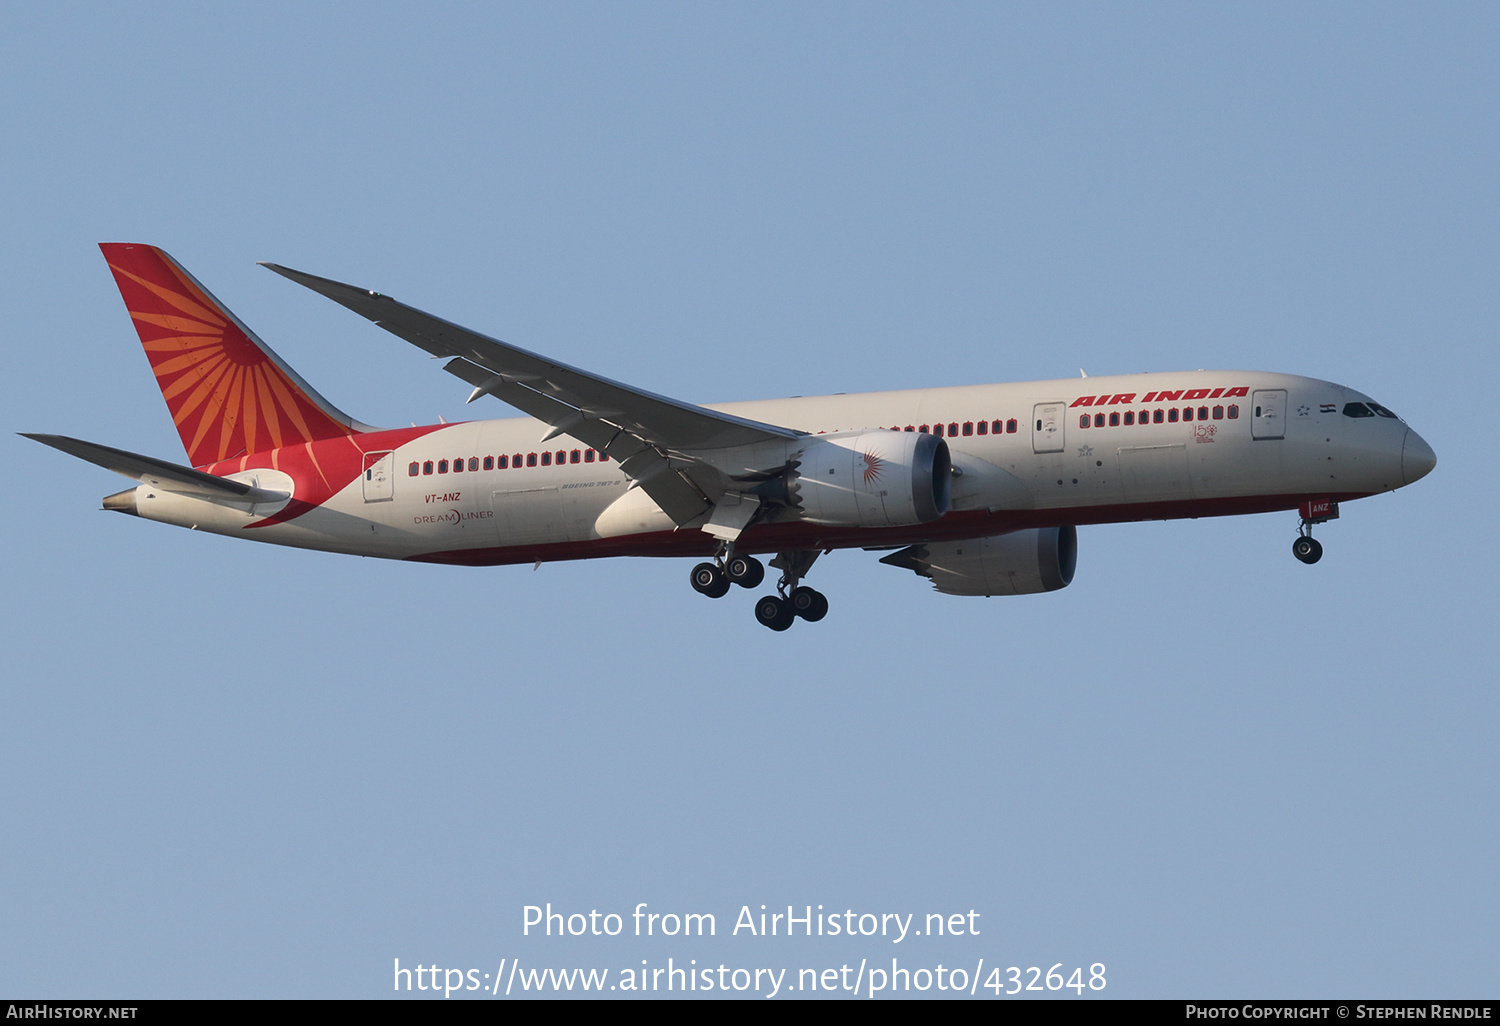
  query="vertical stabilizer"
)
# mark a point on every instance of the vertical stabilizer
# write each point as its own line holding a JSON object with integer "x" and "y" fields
{"x": 228, "y": 393}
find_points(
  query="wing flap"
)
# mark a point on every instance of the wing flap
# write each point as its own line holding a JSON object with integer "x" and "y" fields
{"x": 651, "y": 469}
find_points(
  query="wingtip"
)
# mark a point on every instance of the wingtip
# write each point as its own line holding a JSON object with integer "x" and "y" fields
{"x": 325, "y": 286}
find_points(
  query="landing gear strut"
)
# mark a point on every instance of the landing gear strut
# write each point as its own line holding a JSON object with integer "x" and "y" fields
{"x": 1318, "y": 511}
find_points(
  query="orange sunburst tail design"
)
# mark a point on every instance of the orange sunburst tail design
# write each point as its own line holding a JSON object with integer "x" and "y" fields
{"x": 228, "y": 393}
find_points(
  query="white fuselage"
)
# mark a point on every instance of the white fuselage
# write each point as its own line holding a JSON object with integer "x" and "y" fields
{"x": 1021, "y": 456}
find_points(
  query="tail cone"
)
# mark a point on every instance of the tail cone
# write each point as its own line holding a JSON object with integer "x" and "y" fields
{"x": 122, "y": 502}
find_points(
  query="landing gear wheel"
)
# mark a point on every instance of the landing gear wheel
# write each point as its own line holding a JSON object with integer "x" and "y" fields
{"x": 1307, "y": 549}
{"x": 746, "y": 571}
{"x": 775, "y": 612}
{"x": 709, "y": 580}
{"x": 811, "y": 605}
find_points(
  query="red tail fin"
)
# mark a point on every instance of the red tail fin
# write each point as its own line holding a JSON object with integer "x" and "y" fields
{"x": 228, "y": 394}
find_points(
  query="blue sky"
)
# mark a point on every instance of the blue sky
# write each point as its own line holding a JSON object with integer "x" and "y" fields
{"x": 236, "y": 770}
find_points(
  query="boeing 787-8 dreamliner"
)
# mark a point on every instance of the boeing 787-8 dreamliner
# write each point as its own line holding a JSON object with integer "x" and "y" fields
{"x": 979, "y": 488}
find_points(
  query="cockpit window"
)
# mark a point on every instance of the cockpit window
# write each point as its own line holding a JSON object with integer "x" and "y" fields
{"x": 1357, "y": 410}
{"x": 1381, "y": 411}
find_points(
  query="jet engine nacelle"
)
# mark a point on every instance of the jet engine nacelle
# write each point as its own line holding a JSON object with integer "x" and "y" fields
{"x": 1019, "y": 563}
{"x": 872, "y": 479}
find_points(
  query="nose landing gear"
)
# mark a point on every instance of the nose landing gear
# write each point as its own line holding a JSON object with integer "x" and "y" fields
{"x": 1307, "y": 549}
{"x": 1316, "y": 511}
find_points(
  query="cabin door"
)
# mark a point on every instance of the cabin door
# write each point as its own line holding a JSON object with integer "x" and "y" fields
{"x": 380, "y": 477}
{"x": 1047, "y": 427}
{"x": 1269, "y": 420}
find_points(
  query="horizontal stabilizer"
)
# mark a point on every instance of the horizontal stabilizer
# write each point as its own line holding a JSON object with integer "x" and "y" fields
{"x": 168, "y": 477}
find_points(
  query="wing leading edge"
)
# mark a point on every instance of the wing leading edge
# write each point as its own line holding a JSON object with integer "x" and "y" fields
{"x": 652, "y": 436}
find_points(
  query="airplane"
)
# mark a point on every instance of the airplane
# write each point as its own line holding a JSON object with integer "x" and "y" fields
{"x": 978, "y": 488}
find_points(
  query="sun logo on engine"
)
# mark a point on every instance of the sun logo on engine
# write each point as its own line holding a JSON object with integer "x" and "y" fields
{"x": 873, "y": 466}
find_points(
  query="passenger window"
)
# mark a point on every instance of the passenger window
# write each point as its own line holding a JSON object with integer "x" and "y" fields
{"x": 1234, "y": 413}
{"x": 910, "y": 428}
{"x": 1172, "y": 415}
{"x": 1098, "y": 420}
{"x": 501, "y": 462}
{"x": 1084, "y": 420}
{"x": 1203, "y": 413}
{"x": 984, "y": 427}
{"x": 953, "y": 430}
{"x": 489, "y": 463}
{"x": 1156, "y": 417}
{"x": 575, "y": 456}
{"x": 588, "y": 455}
{"x": 562, "y": 457}
{"x": 546, "y": 459}
{"x": 531, "y": 459}
{"x": 604, "y": 457}
{"x": 923, "y": 429}
{"x": 427, "y": 467}
{"x": 458, "y": 466}
{"x": 1187, "y": 413}
{"x": 1010, "y": 426}
{"x": 1218, "y": 413}
{"x": 968, "y": 427}
{"x": 1129, "y": 417}
{"x": 1114, "y": 420}
{"x": 412, "y": 470}
{"x": 442, "y": 466}
{"x": 474, "y": 463}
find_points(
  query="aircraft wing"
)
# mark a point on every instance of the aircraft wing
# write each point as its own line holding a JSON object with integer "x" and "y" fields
{"x": 169, "y": 477}
{"x": 647, "y": 433}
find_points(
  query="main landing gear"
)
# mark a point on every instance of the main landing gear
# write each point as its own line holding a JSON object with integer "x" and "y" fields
{"x": 779, "y": 611}
{"x": 713, "y": 579}
{"x": 1306, "y": 548}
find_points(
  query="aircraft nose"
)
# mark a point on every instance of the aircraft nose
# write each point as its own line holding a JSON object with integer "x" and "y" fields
{"x": 1417, "y": 457}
